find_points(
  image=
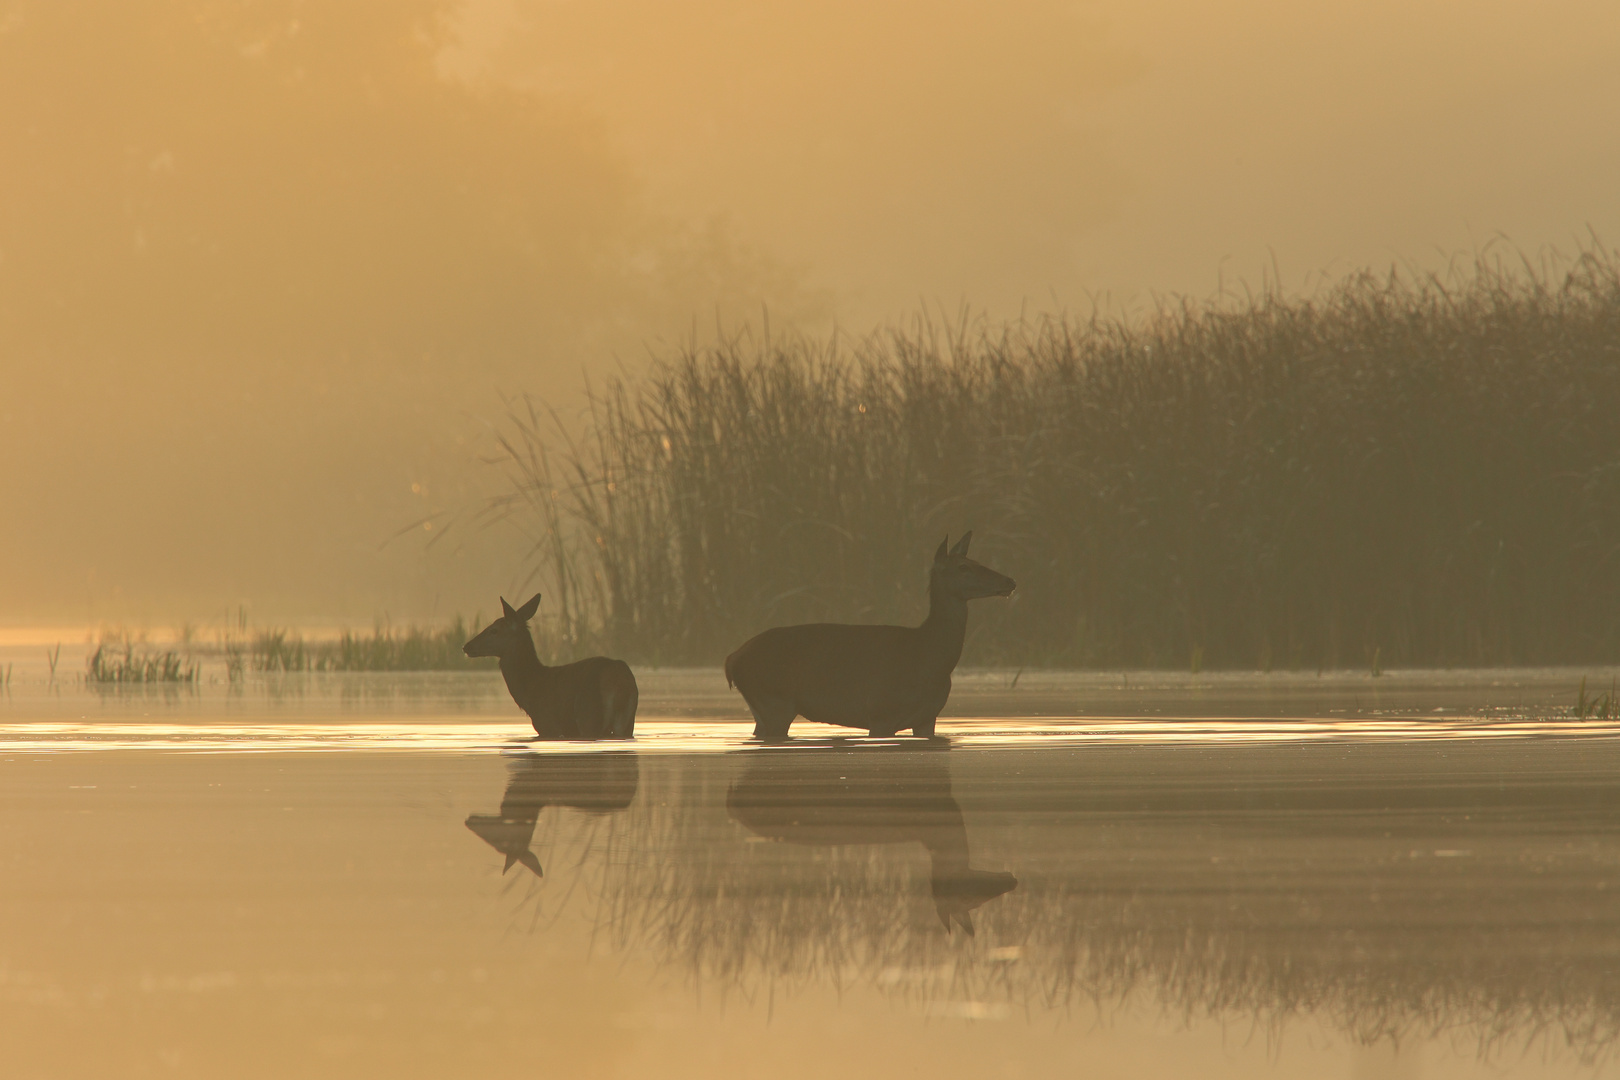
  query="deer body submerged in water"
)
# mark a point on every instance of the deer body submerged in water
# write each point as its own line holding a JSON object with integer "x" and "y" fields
{"x": 593, "y": 698}
{"x": 885, "y": 679}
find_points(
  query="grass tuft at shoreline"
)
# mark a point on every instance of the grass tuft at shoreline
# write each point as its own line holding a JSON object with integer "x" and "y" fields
{"x": 413, "y": 648}
{"x": 110, "y": 667}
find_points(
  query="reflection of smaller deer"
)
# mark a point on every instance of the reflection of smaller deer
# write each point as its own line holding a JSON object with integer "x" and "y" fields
{"x": 872, "y": 795}
{"x": 595, "y": 783}
{"x": 588, "y": 699}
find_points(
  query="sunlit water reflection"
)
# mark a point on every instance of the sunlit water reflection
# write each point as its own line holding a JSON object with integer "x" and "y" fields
{"x": 386, "y": 877}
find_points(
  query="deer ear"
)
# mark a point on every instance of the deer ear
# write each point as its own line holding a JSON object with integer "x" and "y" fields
{"x": 506, "y": 609}
{"x": 962, "y": 544}
{"x": 526, "y": 612}
{"x": 939, "y": 556}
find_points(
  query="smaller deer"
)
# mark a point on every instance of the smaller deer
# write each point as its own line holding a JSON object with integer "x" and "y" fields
{"x": 593, "y": 698}
{"x": 881, "y": 678}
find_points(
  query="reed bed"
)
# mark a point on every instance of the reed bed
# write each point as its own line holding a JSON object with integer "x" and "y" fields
{"x": 121, "y": 659}
{"x": 413, "y": 648}
{"x": 110, "y": 667}
{"x": 1396, "y": 471}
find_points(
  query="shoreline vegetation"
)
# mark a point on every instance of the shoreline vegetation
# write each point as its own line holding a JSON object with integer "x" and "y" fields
{"x": 1396, "y": 471}
{"x": 412, "y": 648}
{"x": 120, "y": 659}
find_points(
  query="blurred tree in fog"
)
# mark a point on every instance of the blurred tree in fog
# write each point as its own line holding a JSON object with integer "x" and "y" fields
{"x": 260, "y": 262}
{"x": 295, "y": 176}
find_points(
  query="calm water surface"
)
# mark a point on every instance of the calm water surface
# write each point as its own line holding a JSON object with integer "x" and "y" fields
{"x": 1173, "y": 876}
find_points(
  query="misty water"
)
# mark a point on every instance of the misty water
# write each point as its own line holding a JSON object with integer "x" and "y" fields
{"x": 1102, "y": 874}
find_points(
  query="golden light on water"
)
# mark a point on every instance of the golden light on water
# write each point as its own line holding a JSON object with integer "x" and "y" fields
{"x": 655, "y": 736}
{"x": 290, "y": 290}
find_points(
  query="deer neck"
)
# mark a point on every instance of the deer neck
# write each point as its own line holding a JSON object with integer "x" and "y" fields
{"x": 945, "y": 626}
{"x": 523, "y": 671}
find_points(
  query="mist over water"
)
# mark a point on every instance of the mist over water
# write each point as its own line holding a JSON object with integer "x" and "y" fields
{"x": 331, "y": 331}
{"x": 266, "y": 271}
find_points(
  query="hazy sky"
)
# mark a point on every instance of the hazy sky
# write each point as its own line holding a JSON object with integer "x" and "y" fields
{"x": 1000, "y": 153}
{"x": 266, "y": 268}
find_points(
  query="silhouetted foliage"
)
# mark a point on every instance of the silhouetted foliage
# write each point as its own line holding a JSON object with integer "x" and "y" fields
{"x": 412, "y": 648}
{"x": 1394, "y": 472}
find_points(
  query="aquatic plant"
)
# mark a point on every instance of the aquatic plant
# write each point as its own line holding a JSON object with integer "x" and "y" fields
{"x": 235, "y": 661}
{"x": 412, "y": 648}
{"x": 1418, "y": 471}
{"x": 108, "y": 666}
{"x": 278, "y": 650}
{"x": 1602, "y": 707}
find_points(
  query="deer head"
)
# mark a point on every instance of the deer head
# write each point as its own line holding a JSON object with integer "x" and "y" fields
{"x": 507, "y": 634}
{"x": 963, "y": 578}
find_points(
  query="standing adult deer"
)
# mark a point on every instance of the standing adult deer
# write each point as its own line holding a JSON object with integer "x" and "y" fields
{"x": 881, "y": 678}
{"x": 593, "y": 698}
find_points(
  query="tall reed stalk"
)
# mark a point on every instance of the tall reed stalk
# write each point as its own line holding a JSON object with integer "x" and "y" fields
{"x": 1397, "y": 471}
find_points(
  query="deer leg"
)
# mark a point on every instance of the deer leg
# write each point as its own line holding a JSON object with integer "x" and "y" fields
{"x": 919, "y": 718}
{"x": 888, "y": 729}
{"x": 618, "y": 715}
{"x": 772, "y": 716}
{"x": 622, "y": 717}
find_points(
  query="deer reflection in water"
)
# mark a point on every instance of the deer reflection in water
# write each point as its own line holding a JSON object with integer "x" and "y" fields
{"x": 1336, "y": 885}
{"x": 848, "y": 793}
{"x": 599, "y": 783}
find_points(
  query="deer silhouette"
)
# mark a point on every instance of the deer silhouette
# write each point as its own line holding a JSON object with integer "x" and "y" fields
{"x": 865, "y": 794}
{"x": 598, "y": 783}
{"x": 593, "y": 698}
{"x": 885, "y": 679}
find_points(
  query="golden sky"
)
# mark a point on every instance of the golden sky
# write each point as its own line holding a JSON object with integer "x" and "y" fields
{"x": 265, "y": 268}
{"x": 1003, "y": 153}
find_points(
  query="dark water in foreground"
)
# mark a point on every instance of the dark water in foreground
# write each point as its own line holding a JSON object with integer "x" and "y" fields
{"x": 208, "y": 885}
